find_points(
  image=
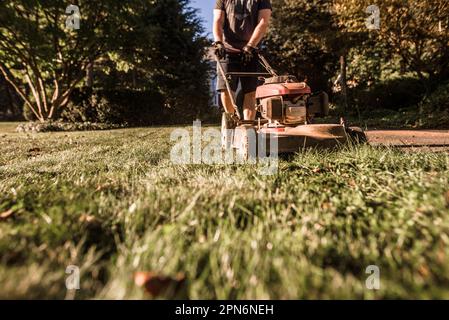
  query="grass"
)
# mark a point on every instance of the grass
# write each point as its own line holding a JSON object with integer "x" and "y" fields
{"x": 112, "y": 203}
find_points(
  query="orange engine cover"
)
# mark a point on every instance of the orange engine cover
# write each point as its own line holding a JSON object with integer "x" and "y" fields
{"x": 282, "y": 89}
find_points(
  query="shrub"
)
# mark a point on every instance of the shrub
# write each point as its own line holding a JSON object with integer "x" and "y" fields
{"x": 434, "y": 109}
{"x": 54, "y": 126}
{"x": 432, "y": 112}
{"x": 124, "y": 107}
{"x": 437, "y": 101}
{"x": 394, "y": 94}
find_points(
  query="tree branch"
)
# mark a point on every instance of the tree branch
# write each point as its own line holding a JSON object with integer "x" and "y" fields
{"x": 18, "y": 90}
{"x": 35, "y": 94}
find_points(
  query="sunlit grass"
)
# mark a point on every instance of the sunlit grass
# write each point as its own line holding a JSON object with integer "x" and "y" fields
{"x": 112, "y": 203}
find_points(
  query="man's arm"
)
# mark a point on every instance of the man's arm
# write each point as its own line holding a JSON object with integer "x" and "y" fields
{"x": 219, "y": 19}
{"x": 261, "y": 29}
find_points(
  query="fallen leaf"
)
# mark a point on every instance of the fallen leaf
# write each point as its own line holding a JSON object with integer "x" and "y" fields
{"x": 441, "y": 256}
{"x": 424, "y": 271}
{"x": 33, "y": 150}
{"x": 5, "y": 215}
{"x": 326, "y": 205}
{"x": 87, "y": 218}
{"x": 101, "y": 187}
{"x": 157, "y": 284}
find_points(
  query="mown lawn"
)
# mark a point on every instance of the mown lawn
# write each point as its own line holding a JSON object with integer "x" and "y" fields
{"x": 112, "y": 203}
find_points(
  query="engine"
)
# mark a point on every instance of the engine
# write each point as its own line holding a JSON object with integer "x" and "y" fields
{"x": 287, "y": 101}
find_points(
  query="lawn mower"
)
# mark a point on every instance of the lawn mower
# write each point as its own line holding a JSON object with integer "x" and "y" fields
{"x": 286, "y": 109}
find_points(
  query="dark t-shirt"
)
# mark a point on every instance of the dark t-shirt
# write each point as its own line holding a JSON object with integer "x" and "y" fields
{"x": 241, "y": 19}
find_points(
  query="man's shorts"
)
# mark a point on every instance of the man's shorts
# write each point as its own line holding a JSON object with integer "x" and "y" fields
{"x": 234, "y": 63}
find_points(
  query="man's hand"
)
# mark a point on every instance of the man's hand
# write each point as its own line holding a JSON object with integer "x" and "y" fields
{"x": 219, "y": 50}
{"x": 248, "y": 53}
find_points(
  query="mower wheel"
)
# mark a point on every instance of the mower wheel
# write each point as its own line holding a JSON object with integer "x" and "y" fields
{"x": 246, "y": 143}
{"x": 357, "y": 135}
{"x": 228, "y": 125}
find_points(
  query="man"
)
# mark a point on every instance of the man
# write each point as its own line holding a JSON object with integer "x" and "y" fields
{"x": 239, "y": 27}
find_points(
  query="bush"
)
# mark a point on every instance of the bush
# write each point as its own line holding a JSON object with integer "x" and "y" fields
{"x": 394, "y": 94}
{"x": 434, "y": 109}
{"x": 431, "y": 112}
{"x": 438, "y": 101}
{"x": 133, "y": 108}
{"x": 54, "y": 126}
{"x": 124, "y": 107}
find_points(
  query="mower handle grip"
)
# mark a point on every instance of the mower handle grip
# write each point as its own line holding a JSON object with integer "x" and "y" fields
{"x": 259, "y": 55}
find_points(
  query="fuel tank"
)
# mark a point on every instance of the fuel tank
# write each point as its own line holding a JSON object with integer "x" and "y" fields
{"x": 282, "y": 89}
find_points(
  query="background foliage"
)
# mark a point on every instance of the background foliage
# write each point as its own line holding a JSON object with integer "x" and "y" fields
{"x": 156, "y": 48}
{"x": 393, "y": 67}
{"x": 137, "y": 45}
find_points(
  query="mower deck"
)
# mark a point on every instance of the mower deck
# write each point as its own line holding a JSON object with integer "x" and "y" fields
{"x": 306, "y": 136}
{"x": 293, "y": 139}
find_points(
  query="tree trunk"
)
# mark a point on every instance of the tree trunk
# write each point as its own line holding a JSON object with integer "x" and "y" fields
{"x": 343, "y": 81}
{"x": 90, "y": 75}
{"x": 134, "y": 75}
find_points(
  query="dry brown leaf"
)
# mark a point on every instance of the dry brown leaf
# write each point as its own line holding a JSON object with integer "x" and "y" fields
{"x": 424, "y": 271}
{"x": 34, "y": 150}
{"x": 157, "y": 284}
{"x": 441, "y": 256}
{"x": 102, "y": 187}
{"x": 326, "y": 205}
{"x": 87, "y": 218}
{"x": 5, "y": 215}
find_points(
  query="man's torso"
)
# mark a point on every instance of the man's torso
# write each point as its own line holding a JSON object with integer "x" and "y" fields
{"x": 241, "y": 19}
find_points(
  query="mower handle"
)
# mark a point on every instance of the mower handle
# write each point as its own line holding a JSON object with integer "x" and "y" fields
{"x": 232, "y": 50}
{"x": 249, "y": 74}
{"x": 261, "y": 58}
{"x": 224, "y": 75}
